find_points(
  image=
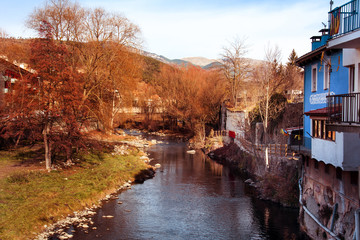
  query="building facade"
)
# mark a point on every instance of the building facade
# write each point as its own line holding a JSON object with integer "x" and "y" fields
{"x": 9, "y": 75}
{"x": 329, "y": 186}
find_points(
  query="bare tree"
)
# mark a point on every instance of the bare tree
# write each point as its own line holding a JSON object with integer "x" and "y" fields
{"x": 235, "y": 66}
{"x": 270, "y": 78}
{"x": 3, "y": 34}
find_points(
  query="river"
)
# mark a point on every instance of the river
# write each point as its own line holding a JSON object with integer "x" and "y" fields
{"x": 191, "y": 197}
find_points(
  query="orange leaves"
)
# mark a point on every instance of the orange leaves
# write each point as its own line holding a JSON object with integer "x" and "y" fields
{"x": 191, "y": 93}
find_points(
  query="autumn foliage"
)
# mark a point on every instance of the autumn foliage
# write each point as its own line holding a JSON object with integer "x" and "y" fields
{"x": 192, "y": 96}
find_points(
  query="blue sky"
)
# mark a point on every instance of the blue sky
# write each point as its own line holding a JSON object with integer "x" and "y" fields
{"x": 192, "y": 28}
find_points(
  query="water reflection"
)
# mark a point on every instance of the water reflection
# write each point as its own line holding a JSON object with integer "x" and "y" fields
{"x": 192, "y": 197}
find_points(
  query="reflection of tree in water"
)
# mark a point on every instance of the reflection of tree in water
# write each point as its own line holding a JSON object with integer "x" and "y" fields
{"x": 215, "y": 168}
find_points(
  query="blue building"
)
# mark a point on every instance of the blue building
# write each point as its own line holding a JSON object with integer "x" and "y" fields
{"x": 330, "y": 185}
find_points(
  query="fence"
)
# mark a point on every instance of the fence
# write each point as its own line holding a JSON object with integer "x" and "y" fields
{"x": 273, "y": 149}
{"x": 344, "y": 108}
{"x": 281, "y": 150}
{"x": 344, "y": 19}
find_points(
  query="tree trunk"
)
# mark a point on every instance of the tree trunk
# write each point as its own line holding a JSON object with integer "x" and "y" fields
{"x": 18, "y": 140}
{"x": 47, "y": 146}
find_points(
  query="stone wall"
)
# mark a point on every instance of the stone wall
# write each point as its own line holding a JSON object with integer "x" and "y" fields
{"x": 322, "y": 189}
{"x": 276, "y": 181}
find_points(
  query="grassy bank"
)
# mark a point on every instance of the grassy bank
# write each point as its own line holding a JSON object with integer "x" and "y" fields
{"x": 31, "y": 199}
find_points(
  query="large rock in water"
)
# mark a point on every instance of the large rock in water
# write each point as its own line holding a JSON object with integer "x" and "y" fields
{"x": 144, "y": 175}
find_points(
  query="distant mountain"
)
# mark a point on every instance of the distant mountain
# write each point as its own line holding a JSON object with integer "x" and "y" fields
{"x": 198, "y": 61}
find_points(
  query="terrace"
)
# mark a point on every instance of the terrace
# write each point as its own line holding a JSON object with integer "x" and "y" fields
{"x": 344, "y": 112}
{"x": 344, "y": 19}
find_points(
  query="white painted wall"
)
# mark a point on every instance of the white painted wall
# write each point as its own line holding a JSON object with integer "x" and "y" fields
{"x": 351, "y": 56}
{"x": 343, "y": 153}
{"x": 328, "y": 151}
{"x": 351, "y": 151}
{"x": 235, "y": 121}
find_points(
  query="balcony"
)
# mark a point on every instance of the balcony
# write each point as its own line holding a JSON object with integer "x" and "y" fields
{"x": 343, "y": 112}
{"x": 344, "y": 19}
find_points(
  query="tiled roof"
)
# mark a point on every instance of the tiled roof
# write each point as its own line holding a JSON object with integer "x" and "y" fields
{"x": 318, "y": 112}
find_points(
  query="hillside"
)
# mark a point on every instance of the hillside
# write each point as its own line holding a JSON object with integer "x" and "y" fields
{"x": 200, "y": 61}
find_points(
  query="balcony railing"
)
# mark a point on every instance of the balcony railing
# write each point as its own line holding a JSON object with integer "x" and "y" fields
{"x": 344, "y": 19}
{"x": 344, "y": 108}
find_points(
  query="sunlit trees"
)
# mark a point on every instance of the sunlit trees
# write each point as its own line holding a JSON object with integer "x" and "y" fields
{"x": 103, "y": 47}
{"x": 192, "y": 96}
{"x": 60, "y": 111}
{"x": 48, "y": 104}
{"x": 270, "y": 78}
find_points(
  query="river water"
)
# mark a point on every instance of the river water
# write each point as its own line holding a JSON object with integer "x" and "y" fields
{"x": 191, "y": 197}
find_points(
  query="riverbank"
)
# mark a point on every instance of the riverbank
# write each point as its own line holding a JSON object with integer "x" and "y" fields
{"x": 277, "y": 183}
{"x": 31, "y": 201}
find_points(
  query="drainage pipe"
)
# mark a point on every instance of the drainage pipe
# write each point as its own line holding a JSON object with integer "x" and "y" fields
{"x": 357, "y": 224}
{"x": 312, "y": 215}
{"x": 333, "y": 217}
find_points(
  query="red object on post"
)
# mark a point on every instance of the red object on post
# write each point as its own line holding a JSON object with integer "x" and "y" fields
{"x": 232, "y": 134}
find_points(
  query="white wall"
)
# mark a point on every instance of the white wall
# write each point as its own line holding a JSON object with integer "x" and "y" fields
{"x": 328, "y": 151}
{"x": 351, "y": 56}
{"x": 343, "y": 153}
{"x": 235, "y": 121}
{"x": 351, "y": 151}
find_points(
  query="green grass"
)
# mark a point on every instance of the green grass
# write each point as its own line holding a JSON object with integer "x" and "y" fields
{"x": 7, "y": 157}
{"x": 29, "y": 200}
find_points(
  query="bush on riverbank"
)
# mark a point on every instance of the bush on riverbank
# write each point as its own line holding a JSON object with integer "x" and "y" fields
{"x": 31, "y": 199}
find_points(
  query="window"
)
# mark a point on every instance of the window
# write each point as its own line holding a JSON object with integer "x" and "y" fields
{"x": 339, "y": 173}
{"x": 352, "y": 79}
{"x": 327, "y": 168}
{"x": 313, "y": 78}
{"x": 326, "y": 76}
{"x": 320, "y": 131}
{"x": 316, "y": 164}
{"x": 354, "y": 178}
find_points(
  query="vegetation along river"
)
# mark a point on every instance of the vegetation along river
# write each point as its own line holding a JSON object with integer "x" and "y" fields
{"x": 191, "y": 197}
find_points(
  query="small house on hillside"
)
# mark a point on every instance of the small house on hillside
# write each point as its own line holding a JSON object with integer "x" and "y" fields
{"x": 9, "y": 74}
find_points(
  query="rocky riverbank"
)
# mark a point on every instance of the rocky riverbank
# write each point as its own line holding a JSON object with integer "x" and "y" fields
{"x": 58, "y": 202}
{"x": 277, "y": 183}
{"x": 83, "y": 219}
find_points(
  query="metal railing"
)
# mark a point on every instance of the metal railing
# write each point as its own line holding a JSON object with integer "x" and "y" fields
{"x": 344, "y": 108}
{"x": 344, "y": 19}
{"x": 274, "y": 149}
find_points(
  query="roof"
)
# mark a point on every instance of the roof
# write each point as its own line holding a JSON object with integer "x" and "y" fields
{"x": 318, "y": 112}
{"x": 12, "y": 67}
{"x": 303, "y": 60}
{"x": 290, "y": 129}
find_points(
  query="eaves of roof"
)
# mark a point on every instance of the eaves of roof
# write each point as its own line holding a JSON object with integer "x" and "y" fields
{"x": 12, "y": 67}
{"x": 303, "y": 60}
{"x": 318, "y": 112}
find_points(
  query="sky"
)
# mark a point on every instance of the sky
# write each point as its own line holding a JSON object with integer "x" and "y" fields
{"x": 202, "y": 28}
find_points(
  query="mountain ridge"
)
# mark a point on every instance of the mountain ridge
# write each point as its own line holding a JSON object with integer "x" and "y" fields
{"x": 197, "y": 61}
